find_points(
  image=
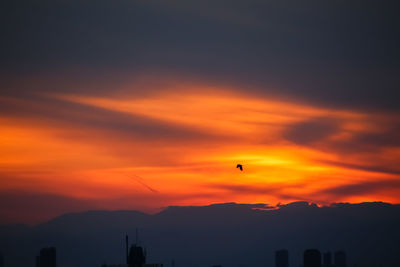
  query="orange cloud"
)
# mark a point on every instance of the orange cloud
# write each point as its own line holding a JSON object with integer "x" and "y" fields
{"x": 184, "y": 148}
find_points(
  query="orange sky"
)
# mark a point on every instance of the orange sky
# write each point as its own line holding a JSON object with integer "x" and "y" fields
{"x": 179, "y": 145}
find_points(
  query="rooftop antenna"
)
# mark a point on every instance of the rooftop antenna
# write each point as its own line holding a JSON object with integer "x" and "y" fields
{"x": 127, "y": 244}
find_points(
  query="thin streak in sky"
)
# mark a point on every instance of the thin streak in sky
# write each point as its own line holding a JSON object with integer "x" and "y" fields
{"x": 140, "y": 180}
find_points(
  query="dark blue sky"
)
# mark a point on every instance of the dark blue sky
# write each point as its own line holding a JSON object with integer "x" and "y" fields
{"x": 334, "y": 53}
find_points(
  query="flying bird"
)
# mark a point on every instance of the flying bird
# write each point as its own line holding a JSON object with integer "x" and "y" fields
{"x": 240, "y": 167}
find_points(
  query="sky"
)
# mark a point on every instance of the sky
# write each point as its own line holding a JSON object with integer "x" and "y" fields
{"x": 141, "y": 105}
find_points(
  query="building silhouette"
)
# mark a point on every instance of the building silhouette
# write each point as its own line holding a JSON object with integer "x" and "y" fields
{"x": 1, "y": 260}
{"x": 282, "y": 258}
{"x": 137, "y": 256}
{"x": 46, "y": 257}
{"x": 327, "y": 259}
{"x": 312, "y": 258}
{"x": 340, "y": 259}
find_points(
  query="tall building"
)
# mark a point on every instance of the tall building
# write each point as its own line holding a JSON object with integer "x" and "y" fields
{"x": 282, "y": 258}
{"x": 312, "y": 258}
{"x": 1, "y": 260}
{"x": 340, "y": 259}
{"x": 327, "y": 259}
{"x": 46, "y": 257}
{"x": 137, "y": 256}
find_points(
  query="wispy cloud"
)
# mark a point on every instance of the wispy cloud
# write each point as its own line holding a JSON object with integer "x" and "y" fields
{"x": 180, "y": 92}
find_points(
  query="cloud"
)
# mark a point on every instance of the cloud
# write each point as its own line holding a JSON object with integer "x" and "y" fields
{"x": 181, "y": 89}
{"x": 97, "y": 120}
{"x": 366, "y": 167}
{"x": 283, "y": 192}
{"x": 310, "y": 53}
{"x": 363, "y": 133}
{"x": 389, "y": 136}
{"x": 308, "y": 132}
{"x": 382, "y": 133}
{"x": 33, "y": 208}
{"x": 363, "y": 188}
{"x": 246, "y": 189}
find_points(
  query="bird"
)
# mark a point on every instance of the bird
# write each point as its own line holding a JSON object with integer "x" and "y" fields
{"x": 240, "y": 166}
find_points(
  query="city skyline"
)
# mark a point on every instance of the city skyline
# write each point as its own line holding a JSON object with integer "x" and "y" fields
{"x": 136, "y": 257}
{"x": 224, "y": 234}
{"x": 229, "y": 132}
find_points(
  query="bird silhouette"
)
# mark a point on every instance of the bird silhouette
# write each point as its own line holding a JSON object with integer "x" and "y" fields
{"x": 240, "y": 167}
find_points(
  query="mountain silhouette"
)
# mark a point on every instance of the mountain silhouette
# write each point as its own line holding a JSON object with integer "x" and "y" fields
{"x": 229, "y": 234}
